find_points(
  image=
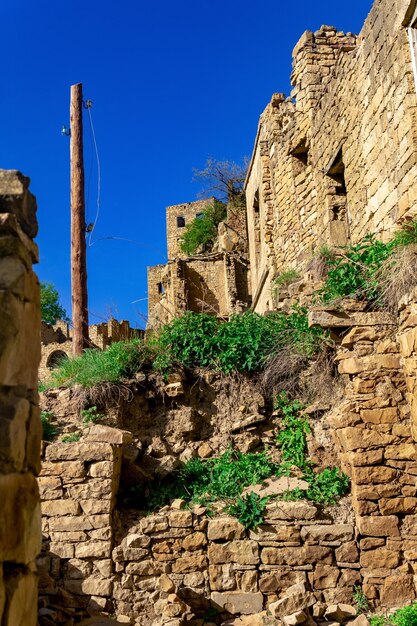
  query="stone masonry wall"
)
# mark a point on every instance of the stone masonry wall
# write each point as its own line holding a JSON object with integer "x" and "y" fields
{"x": 78, "y": 484}
{"x": 20, "y": 426}
{"x": 372, "y": 430}
{"x": 339, "y": 159}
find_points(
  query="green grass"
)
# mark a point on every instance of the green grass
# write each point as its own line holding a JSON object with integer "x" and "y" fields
{"x": 121, "y": 360}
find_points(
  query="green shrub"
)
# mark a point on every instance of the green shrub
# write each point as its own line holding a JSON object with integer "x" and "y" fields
{"x": 91, "y": 415}
{"x": 356, "y": 272}
{"x": 249, "y": 510}
{"x": 121, "y": 360}
{"x": 71, "y": 438}
{"x": 406, "y": 616}
{"x": 292, "y": 437}
{"x": 243, "y": 344}
{"x": 220, "y": 478}
{"x": 188, "y": 340}
{"x": 200, "y": 234}
{"x": 327, "y": 486}
{"x": 48, "y": 430}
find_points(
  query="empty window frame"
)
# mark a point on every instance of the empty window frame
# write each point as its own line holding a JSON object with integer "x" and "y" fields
{"x": 180, "y": 221}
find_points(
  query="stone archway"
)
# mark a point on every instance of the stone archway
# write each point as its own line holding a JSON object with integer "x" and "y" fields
{"x": 55, "y": 359}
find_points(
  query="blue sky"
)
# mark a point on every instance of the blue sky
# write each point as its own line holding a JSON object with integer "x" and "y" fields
{"x": 172, "y": 83}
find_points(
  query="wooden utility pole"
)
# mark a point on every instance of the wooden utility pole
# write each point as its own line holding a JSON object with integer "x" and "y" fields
{"x": 78, "y": 243}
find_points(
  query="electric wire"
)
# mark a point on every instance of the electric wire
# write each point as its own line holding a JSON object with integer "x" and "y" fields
{"x": 93, "y": 135}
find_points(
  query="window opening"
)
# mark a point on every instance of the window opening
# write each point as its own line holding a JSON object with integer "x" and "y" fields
{"x": 180, "y": 221}
{"x": 199, "y": 216}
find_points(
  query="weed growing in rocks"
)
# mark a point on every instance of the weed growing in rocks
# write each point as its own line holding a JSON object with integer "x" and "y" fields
{"x": 91, "y": 415}
{"x": 71, "y": 438}
{"x": 249, "y": 510}
{"x": 406, "y": 616}
{"x": 371, "y": 269}
{"x": 48, "y": 429}
{"x": 360, "y": 599}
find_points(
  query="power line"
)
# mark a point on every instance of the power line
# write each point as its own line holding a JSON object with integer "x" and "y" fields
{"x": 88, "y": 105}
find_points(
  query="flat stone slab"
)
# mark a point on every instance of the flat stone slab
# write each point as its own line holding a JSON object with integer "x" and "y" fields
{"x": 345, "y": 319}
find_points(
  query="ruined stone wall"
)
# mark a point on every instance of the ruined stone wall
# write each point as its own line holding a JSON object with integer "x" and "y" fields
{"x": 179, "y": 216}
{"x": 78, "y": 484}
{"x": 20, "y": 426}
{"x": 339, "y": 160}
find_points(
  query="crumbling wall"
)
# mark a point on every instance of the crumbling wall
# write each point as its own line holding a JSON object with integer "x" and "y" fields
{"x": 372, "y": 429}
{"x": 78, "y": 485}
{"x": 20, "y": 426}
{"x": 338, "y": 159}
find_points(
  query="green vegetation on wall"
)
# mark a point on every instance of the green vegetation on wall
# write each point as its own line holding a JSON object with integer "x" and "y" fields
{"x": 200, "y": 234}
{"x": 243, "y": 344}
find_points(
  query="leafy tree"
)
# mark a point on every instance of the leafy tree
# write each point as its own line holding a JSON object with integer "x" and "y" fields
{"x": 51, "y": 309}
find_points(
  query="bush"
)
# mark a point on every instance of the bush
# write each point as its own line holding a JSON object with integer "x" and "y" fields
{"x": 406, "y": 616}
{"x": 243, "y": 344}
{"x": 121, "y": 360}
{"x": 357, "y": 272}
{"x": 201, "y": 233}
{"x": 48, "y": 430}
{"x": 221, "y": 478}
{"x": 249, "y": 510}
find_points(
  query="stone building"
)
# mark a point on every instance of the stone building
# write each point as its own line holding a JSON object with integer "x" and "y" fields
{"x": 338, "y": 158}
{"x": 214, "y": 283}
{"x": 56, "y": 340}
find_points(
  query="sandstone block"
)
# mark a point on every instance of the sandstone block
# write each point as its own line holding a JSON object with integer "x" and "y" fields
{"x": 194, "y": 541}
{"x": 388, "y": 559}
{"x": 291, "y": 603}
{"x": 95, "y": 507}
{"x": 60, "y": 507}
{"x": 93, "y": 585}
{"x": 374, "y": 474}
{"x": 296, "y": 556}
{"x": 340, "y": 612}
{"x": 153, "y": 523}
{"x": 79, "y": 522}
{"x": 21, "y": 592}
{"x": 398, "y": 590}
{"x": 269, "y": 532}
{"x": 63, "y": 550}
{"x": 16, "y": 198}
{"x": 290, "y": 511}
{"x": 347, "y": 553}
{"x": 146, "y": 568}
{"x": 403, "y": 452}
{"x": 333, "y": 532}
{"x": 101, "y": 469}
{"x": 63, "y": 469}
{"x": 107, "y": 434}
{"x": 222, "y": 577}
{"x": 237, "y": 602}
{"x": 377, "y": 362}
{"x": 225, "y": 529}
{"x": 180, "y": 519}
{"x": 79, "y": 451}
{"x": 50, "y": 488}
{"x": 380, "y": 416}
{"x": 244, "y": 552}
{"x": 95, "y": 488}
{"x": 20, "y": 518}
{"x": 296, "y": 618}
{"x": 97, "y": 549}
{"x": 324, "y": 577}
{"x": 189, "y": 563}
{"x": 352, "y": 438}
{"x": 389, "y": 506}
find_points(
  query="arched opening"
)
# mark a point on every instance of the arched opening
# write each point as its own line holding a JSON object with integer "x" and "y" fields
{"x": 55, "y": 359}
